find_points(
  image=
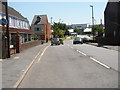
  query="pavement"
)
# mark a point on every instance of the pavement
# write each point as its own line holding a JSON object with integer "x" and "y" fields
{"x": 111, "y": 47}
{"x": 14, "y": 67}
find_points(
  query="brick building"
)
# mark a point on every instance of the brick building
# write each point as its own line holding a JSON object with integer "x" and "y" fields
{"x": 18, "y": 26}
{"x": 112, "y": 22}
{"x": 41, "y": 27}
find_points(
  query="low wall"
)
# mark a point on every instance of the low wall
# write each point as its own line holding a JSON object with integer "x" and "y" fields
{"x": 29, "y": 44}
{"x": 110, "y": 41}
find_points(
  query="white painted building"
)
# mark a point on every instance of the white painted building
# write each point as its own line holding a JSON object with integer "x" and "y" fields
{"x": 17, "y": 24}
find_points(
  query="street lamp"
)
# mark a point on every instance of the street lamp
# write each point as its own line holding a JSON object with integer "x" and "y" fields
{"x": 51, "y": 20}
{"x": 95, "y": 21}
{"x": 92, "y": 22}
{"x": 59, "y": 20}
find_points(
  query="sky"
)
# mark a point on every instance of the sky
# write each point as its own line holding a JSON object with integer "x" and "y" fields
{"x": 66, "y": 12}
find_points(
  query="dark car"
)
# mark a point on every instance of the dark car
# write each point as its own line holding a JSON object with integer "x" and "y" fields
{"x": 86, "y": 39}
{"x": 55, "y": 41}
{"x": 77, "y": 40}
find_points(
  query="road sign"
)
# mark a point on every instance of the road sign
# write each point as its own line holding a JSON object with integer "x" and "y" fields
{"x": 3, "y": 21}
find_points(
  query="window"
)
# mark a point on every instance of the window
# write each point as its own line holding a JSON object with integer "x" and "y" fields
{"x": 37, "y": 29}
{"x": 38, "y": 20}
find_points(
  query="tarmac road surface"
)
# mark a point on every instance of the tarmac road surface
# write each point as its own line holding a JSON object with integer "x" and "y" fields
{"x": 64, "y": 67}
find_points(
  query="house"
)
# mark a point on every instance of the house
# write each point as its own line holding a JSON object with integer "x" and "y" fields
{"x": 41, "y": 27}
{"x": 112, "y": 22}
{"x": 19, "y": 29}
{"x": 17, "y": 24}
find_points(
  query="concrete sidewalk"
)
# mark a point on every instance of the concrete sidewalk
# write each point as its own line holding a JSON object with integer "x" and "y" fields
{"x": 14, "y": 67}
{"x": 111, "y": 47}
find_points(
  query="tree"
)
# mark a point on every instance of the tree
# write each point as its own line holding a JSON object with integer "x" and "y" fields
{"x": 76, "y": 30}
{"x": 35, "y": 36}
{"x": 97, "y": 28}
{"x": 60, "y": 30}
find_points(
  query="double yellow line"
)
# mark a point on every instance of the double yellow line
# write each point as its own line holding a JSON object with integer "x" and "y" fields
{"x": 33, "y": 61}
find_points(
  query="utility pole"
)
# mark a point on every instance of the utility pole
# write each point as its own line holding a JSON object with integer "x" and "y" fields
{"x": 51, "y": 20}
{"x": 51, "y": 23}
{"x": 7, "y": 28}
{"x": 59, "y": 20}
{"x": 92, "y": 22}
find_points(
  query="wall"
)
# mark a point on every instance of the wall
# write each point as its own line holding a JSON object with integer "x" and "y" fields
{"x": 29, "y": 45}
{"x": 112, "y": 23}
{"x": 111, "y": 20}
{"x": 48, "y": 30}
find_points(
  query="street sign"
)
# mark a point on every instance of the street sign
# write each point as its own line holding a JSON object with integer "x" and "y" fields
{"x": 3, "y": 21}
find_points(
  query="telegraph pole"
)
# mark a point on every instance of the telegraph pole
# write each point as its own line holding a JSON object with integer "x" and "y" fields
{"x": 51, "y": 20}
{"x": 7, "y": 28}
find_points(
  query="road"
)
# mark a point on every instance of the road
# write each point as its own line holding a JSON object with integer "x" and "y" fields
{"x": 65, "y": 67}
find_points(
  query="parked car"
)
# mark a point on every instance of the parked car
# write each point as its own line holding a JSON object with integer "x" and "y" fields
{"x": 55, "y": 41}
{"x": 78, "y": 40}
{"x": 61, "y": 41}
{"x": 86, "y": 39}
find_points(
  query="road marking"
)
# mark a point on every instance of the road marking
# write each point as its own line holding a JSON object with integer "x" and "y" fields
{"x": 82, "y": 53}
{"x": 77, "y": 50}
{"x": 42, "y": 54}
{"x": 0, "y": 60}
{"x": 100, "y": 63}
{"x": 16, "y": 57}
{"x": 72, "y": 47}
{"x": 25, "y": 72}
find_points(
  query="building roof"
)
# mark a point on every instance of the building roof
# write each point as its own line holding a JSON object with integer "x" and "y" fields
{"x": 43, "y": 19}
{"x": 15, "y": 30}
{"x": 113, "y": 0}
{"x": 11, "y": 12}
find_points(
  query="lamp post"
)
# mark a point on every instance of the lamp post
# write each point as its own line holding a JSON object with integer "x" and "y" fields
{"x": 51, "y": 20}
{"x": 92, "y": 22}
{"x": 59, "y": 20}
{"x": 7, "y": 28}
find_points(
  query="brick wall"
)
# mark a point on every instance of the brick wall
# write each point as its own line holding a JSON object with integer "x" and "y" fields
{"x": 110, "y": 41}
{"x": 48, "y": 30}
{"x": 29, "y": 45}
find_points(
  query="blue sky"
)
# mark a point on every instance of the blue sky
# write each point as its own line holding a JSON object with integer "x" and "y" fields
{"x": 68, "y": 12}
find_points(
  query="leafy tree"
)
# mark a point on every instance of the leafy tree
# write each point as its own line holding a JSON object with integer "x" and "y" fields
{"x": 76, "y": 30}
{"x": 60, "y": 30}
{"x": 35, "y": 36}
{"x": 97, "y": 28}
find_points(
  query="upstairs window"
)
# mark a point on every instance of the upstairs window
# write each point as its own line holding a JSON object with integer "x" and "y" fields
{"x": 38, "y": 20}
{"x": 37, "y": 29}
